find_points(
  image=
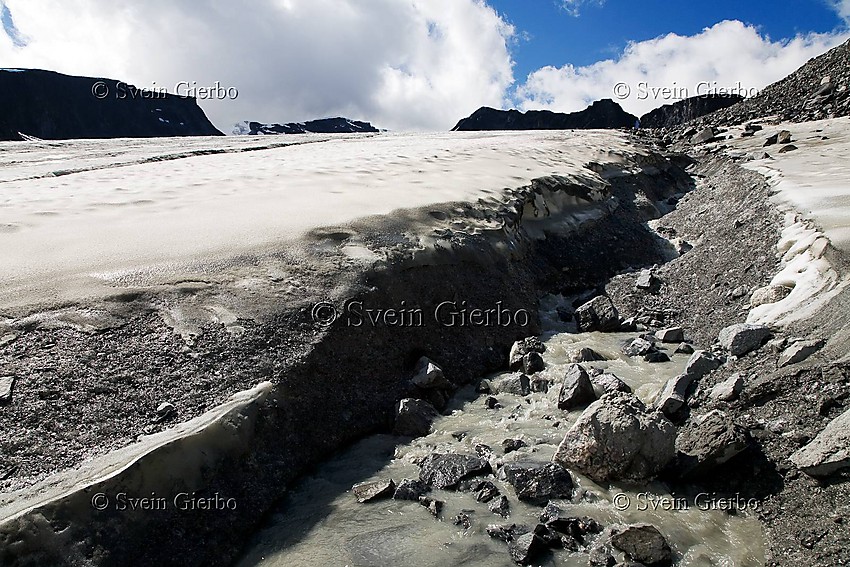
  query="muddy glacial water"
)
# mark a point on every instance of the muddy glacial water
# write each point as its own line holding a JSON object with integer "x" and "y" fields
{"x": 320, "y": 521}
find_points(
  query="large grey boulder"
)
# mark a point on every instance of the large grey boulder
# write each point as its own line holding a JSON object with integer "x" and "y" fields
{"x": 446, "y": 471}
{"x": 517, "y": 384}
{"x": 522, "y": 348}
{"x": 728, "y": 390}
{"x": 538, "y": 483}
{"x": 829, "y": 452}
{"x": 799, "y": 351}
{"x": 673, "y": 395}
{"x": 638, "y": 347}
{"x": 671, "y": 335}
{"x": 598, "y": 314}
{"x": 769, "y": 294}
{"x": 741, "y": 338}
{"x": 371, "y": 491}
{"x": 413, "y": 418}
{"x": 586, "y": 355}
{"x": 618, "y": 438}
{"x": 642, "y": 543}
{"x": 708, "y": 441}
{"x": 700, "y": 364}
{"x": 577, "y": 389}
{"x": 606, "y": 382}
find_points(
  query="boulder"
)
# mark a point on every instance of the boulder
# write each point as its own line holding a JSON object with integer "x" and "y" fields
{"x": 598, "y": 314}
{"x": 410, "y": 489}
{"x": 618, "y": 438}
{"x": 605, "y": 383}
{"x": 786, "y": 149}
{"x": 799, "y": 351}
{"x": 7, "y": 385}
{"x": 783, "y": 137}
{"x": 703, "y": 136}
{"x": 492, "y": 403}
{"x": 829, "y": 452}
{"x": 525, "y": 548}
{"x": 538, "y": 483}
{"x": 741, "y": 338}
{"x": 647, "y": 281}
{"x": 369, "y": 491}
{"x": 533, "y": 362}
{"x": 671, "y": 335}
{"x": 517, "y": 384}
{"x": 728, "y": 390}
{"x": 523, "y": 347}
{"x": 429, "y": 376}
{"x": 638, "y": 347}
{"x": 643, "y": 543}
{"x": 447, "y": 470}
{"x": 507, "y": 532}
{"x": 684, "y": 348}
{"x": 413, "y": 418}
{"x": 587, "y": 355}
{"x": 501, "y": 506}
{"x": 432, "y": 505}
{"x": 673, "y": 396}
{"x": 702, "y": 363}
{"x": 485, "y": 491}
{"x": 511, "y": 445}
{"x": 708, "y": 441}
{"x": 539, "y": 384}
{"x": 769, "y": 294}
{"x": 577, "y": 389}
{"x": 656, "y": 356}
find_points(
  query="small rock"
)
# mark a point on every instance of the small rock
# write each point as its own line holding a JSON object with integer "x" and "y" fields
{"x": 164, "y": 411}
{"x": 484, "y": 387}
{"x": 429, "y": 376}
{"x": 7, "y": 386}
{"x": 829, "y": 451}
{"x": 647, "y": 281}
{"x": 788, "y": 148}
{"x": 523, "y": 347}
{"x": 500, "y": 506}
{"x": 673, "y": 396}
{"x": 506, "y": 532}
{"x": 784, "y": 137}
{"x": 533, "y": 362}
{"x": 525, "y": 548}
{"x": 517, "y": 384}
{"x": 728, "y": 390}
{"x": 656, "y": 356}
{"x": 463, "y": 519}
{"x": 701, "y": 363}
{"x": 771, "y": 140}
{"x": 739, "y": 292}
{"x": 587, "y": 355}
{"x": 598, "y": 314}
{"x": 446, "y": 471}
{"x": 577, "y": 389}
{"x": 741, "y": 338}
{"x": 492, "y": 403}
{"x": 769, "y": 294}
{"x": 536, "y": 483}
{"x": 434, "y": 506}
{"x": 684, "y": 348}
{"x": 414, "y": 417}
{"x": 643, "y": 543}
{"x": 638, "y": 347}
{"x": 511, "y": 445}
{"x": 799, "y": 351}
{"x": 370, "y": 491}
{"x": 539, "y": 384}
{"x": 703, "y": 136}
{"x": 486, "y": 491}
{"x": 605, "y": 383}
{"x": 671, "y": 335}
{"x": 410, "y": 489}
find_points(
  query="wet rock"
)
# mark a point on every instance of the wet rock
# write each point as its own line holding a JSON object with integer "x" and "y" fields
{"x": 788, "y": 148}
{"x": 7, "y": 385}
{"x": 784, "y": 137}
{"x": 708, "y": 441}
{"x": 525, "y": 548}
{"x": 702, "y": 363}
{"x": 799, "y": 351}
{"x": 587, "y": 355}
{"x": 446, "y": 471}
{"x": 548, "y": 536}
{"x": 523, "y": 347}
{"x": 741, "y": 338}
{"x": 577, "y": 389}
{"x": 463, "y": 519}
{"x": 618, "y": 438}
{"x": 601, "y": 556}
{"x": 500, "y": 506}
{"x": 511, "y": 445}
{"x": 507, "y": 532}
{"x": 538, "y": 483}
{"x": 829, "y": 452}
{"x": 656, "y": 356}
{"x": 540, "y": 384}
{"x": 606, "y": 382}
{"x": 370, "y": 491}
{"x": 533, "y": 362}
{"x": 684, "y": 348}
{"x": 728, "y": 390}
{"x": 517, "y": 384}
{"x": 771, "y": 140}
{"x": 670, "y": 335}
{"x": 491, "y": 403}
{"x": 643, "y": 543}
{"x": 598, "y": 314}
{"x": 429, "y": 376}
{"x": 413, "y": 418}
{"x": 433, "y": 505}
{"x": 769, "y": 294}
{"x": 486, "y": 491}
{"x": 410, "y": 489}
{"x": 647, "y": 281}
{"x": 484, "y": 387}
{"x": 638, "y": 347}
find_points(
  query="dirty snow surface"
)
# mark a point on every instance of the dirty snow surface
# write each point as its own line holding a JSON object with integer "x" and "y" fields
{"x": 76, "y": 215}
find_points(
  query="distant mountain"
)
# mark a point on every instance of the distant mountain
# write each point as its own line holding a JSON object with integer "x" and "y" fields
{"x": 53, "y": 106}
{"x": 322, "y": 126}
{"x": 671, "y": 115}
{"x": 601, "y": 114}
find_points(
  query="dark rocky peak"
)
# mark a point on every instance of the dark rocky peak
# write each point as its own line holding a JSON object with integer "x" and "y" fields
{"x": 671, "y": 115}
{"x": 337, "y": 125}
{"x": 601, "y": 114}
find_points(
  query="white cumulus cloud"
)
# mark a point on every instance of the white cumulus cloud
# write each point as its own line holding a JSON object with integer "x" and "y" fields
{"x": 418, "y": 64}
{"x": 727, "y": 56}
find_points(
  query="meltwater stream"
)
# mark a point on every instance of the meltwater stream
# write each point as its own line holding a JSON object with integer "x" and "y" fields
{"x": 320, "y": 521}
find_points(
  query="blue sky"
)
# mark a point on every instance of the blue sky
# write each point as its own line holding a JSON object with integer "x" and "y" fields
{"x": 549, "y": 34}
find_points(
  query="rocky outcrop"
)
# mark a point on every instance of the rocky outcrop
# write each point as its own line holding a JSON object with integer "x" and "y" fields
{"x": 601, "y": 114}
{"x": 683, "y": 111}
{"x": 618, "y": 438}
{"x": 322, "y": 126}
{"x": 53, "y": 106}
